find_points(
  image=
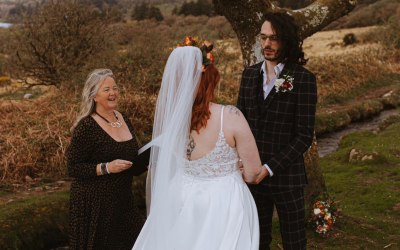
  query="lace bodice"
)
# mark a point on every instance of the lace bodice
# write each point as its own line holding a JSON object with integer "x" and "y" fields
{"x": 221, "y": 161}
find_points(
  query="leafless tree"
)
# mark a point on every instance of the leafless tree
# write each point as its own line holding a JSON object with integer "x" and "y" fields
{"x": 57, "y": 41}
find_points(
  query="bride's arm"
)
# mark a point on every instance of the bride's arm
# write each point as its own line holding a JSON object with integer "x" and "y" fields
{"x": 253, "y": 171}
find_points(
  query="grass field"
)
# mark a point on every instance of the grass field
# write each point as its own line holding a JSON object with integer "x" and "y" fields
{"x": 367, "y": 193}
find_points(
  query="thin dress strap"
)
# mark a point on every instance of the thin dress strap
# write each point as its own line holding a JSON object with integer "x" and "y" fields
{"x": 222, "y": 118}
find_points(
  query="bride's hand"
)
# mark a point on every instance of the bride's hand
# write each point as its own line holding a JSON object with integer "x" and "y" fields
{"x": 241, "y": 166}
{"x": 257, "y": 178}
{"x": 261, "y": 175}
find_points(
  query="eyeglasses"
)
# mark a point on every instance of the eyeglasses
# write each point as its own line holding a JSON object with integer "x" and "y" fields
{"x": 263, "y": 38}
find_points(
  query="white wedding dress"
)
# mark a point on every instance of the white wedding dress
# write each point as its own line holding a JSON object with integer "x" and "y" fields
{"x": 218, "y": 211}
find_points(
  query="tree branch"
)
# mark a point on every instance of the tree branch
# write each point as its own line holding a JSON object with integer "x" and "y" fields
{"x": 246, "y": 19}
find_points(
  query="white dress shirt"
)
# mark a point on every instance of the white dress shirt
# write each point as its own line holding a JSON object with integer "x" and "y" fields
{"x": 268, "y": 86}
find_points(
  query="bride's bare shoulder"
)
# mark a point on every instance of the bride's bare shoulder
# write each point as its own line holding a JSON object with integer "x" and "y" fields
{"x": 233, "y": 111}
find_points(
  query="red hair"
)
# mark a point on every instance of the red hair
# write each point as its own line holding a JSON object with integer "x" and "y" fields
{"x": 200, "y": 111}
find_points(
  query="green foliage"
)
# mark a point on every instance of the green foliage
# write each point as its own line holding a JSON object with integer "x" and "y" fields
{"x": 328, "y": 121}
{"x": 39, "y": 222}
{"x": 201, "y": 7}
{"x": 57, "y": 41}
{"x": 145, "y": 11}
{"x": 367, "y": 191}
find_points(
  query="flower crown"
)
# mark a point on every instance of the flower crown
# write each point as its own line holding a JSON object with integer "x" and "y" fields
{"x": 205, "y": 47}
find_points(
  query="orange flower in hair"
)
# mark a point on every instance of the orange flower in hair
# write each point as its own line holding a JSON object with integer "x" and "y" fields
{"x": 205, "y": 47}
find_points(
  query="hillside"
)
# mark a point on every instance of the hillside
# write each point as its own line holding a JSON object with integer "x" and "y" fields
{"x": 366, "y": 13}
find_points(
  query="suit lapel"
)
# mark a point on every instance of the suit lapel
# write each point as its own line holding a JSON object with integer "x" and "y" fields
{"x": 258, "y": 88}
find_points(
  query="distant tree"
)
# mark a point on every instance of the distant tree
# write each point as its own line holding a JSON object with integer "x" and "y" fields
{"x": 16, "y": 13}
{"x": 102, "y": 4}
{"x": 145, "y": 11}
{"x": 155, "y": 13}
{"x": 201, "y": 7}
{"x": 175, "y": 10}
{"x": 139, "y": 11}
{"x": 57, "y": 41}
{"x": 113, "y": 13}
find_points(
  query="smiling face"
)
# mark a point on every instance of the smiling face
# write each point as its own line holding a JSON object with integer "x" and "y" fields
{"x": 107, "y": 96}
{"x": 270, "y": 43}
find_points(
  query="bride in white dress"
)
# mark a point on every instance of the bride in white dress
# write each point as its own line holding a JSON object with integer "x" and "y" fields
{"x": 198, "y": 196}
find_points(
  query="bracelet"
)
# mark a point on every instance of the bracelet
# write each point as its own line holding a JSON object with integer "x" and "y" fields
{"x": 108, "y": 172}
{"x": 103, "y": 168}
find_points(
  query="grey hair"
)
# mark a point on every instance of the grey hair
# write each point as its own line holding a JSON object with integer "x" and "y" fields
{"x": 92, "y": 85}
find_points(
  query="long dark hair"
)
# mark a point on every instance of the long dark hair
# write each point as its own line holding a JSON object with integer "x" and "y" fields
{"x": 287, "y": 31}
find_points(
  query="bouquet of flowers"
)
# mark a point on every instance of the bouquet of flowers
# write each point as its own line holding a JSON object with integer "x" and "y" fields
{"x": 324, "y": 215}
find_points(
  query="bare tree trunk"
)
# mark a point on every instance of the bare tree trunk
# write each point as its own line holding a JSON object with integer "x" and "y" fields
{"x": 246, "y": 20}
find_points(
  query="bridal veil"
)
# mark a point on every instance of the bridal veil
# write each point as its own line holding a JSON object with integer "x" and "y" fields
{"x": 180, "y": 82}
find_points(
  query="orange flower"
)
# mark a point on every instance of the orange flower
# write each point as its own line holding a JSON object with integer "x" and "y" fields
{"x": 210, "y": 57}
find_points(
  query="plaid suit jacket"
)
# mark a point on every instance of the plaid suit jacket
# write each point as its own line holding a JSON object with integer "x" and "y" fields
{"x": 283, "y": 123}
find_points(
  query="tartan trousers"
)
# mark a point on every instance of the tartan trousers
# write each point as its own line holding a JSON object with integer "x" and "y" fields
{"x": 289, "y": 203}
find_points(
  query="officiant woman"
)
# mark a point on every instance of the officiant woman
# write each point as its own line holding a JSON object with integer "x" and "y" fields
{"x": 99, "y": 158}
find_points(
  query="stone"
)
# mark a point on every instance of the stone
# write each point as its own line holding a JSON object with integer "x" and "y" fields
{"x": 367, "y": 157}
{"x": 387, "y": 94}
{"x": 60, "y": 183}
{"x": 28, "y": 96}
{"x": 28, "y": 178}
{"x": 354, "y": 155}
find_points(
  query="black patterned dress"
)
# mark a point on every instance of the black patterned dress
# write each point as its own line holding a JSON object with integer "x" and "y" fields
{"x": 102, "y": 212}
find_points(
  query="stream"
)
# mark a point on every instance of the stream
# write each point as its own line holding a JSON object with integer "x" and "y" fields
{"x": 328, "y": 143}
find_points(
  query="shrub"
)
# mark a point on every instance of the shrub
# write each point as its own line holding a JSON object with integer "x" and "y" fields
{"x": 199, "y": 8}
{"x": 387, "y": 34}
{"x": 349, "y": 39}
{"x": 391, "y": 35}
{"x": 145, "y": 11}
{"x": 58, "y": 40}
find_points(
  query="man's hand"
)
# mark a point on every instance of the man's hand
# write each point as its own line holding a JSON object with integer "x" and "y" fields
{"x": 263, "y": 173}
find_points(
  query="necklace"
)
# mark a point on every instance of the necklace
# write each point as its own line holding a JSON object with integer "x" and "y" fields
{"x": 116, "y": 124}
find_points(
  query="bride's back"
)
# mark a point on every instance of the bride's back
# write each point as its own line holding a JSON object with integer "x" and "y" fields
{"x": 206, "y": 139}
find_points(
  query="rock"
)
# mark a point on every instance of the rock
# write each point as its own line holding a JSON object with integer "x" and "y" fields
{"x": 28, "y": 178}
{"x": 60, "y": 183}
{"x": 28, "y": 96}
{"x": 354, "y": 155}
{"x": 367, "y": 157}
{"x": 38, "y": 189}
{"x": 388, "y": 94}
